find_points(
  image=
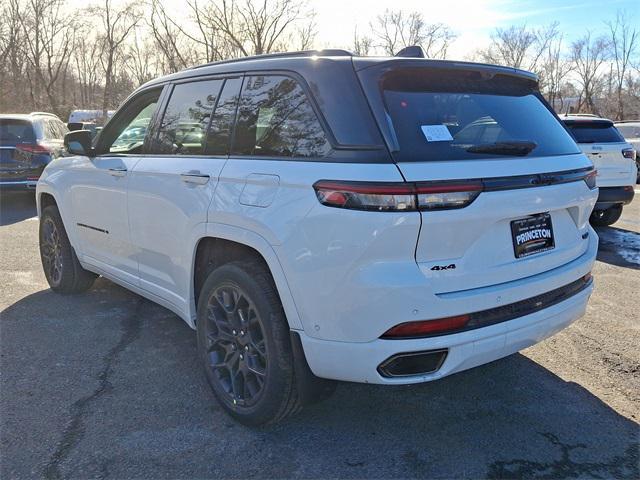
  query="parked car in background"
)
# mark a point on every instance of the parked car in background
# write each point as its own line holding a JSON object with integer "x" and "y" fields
{"x": 27, "y": 144}
{"x": 614, "y": 159}
{"x": 319, "y": 216}
{"x": 630, "y": 130}
{"x": 92, "y": 127}
{"x": 92, "y": 116}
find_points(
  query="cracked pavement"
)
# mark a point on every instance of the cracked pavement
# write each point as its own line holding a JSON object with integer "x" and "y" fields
{"x": 107, "y": 385}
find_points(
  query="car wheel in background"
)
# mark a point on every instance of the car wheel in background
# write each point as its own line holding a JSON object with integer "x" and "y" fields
{"x": 603, "y": 218}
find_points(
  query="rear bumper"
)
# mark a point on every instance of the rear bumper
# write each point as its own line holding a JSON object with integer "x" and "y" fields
{"x": 609, "y": 196}
{"x": 358, "y": 362}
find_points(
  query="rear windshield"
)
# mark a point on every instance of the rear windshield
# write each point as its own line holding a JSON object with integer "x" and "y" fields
{"x": 16, "y": 131}
{"x": 593, "y": 132}
{"x": 468, "y": 116}
{"x": 629, "y": 131}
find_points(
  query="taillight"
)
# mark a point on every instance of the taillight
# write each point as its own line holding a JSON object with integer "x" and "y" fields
{"x": 33, "y": 148}
{"x": 629, "y": 153}
{"x": 445, "y": 195}
{"x": 590, "y": 179}
{"x": 380, "y": 196}
{"x": 426, "y": 327}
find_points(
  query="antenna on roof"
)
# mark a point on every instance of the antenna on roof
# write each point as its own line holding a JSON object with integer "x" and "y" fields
{"x": 414, "y": 51}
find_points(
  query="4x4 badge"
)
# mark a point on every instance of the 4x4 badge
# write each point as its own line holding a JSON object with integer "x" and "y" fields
{"x": 444, "y": 267}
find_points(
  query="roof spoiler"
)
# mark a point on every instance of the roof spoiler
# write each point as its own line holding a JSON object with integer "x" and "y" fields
{"x": 413, "y": 51}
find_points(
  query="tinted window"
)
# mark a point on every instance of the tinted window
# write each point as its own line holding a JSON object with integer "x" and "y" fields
{"x": 16, "y": 131}
{"x": 222, "y": 120}
{"x": 53, "y": 129}
{"x": 132, "y": 136}
{"x": 186, "y": 119}
{"x": 593, "y": 132}
{"x": 462, "y": 115}
{"x": 275, "y": 118}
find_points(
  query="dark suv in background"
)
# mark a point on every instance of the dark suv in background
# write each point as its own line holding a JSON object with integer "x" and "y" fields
{"x": 28, "y": 142}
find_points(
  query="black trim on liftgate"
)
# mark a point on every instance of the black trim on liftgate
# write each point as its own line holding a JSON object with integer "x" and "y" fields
{"x": 492, "y": 316}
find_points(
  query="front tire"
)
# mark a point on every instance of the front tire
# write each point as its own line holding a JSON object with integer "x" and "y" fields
{"x": 604, "y": 218}
{"x": 61, "y": 266}
{"x": 244, "y": 344}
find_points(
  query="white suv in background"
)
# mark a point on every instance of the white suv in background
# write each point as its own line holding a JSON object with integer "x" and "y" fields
{"x": 630, "y": 130}
{"x": 613, "y": 157}
{"x": 318, "y": 216}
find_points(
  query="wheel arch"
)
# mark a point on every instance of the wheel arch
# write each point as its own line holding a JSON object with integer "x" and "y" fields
{"x": 225, "y": 243}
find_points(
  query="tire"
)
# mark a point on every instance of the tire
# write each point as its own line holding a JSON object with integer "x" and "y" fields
{"x": 604, "y": 218}
{"x": 244, "y": 344}
{"x": 59, "y": 261}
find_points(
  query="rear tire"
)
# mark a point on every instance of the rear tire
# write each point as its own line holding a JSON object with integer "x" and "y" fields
{"x": 604, "y": 218}
{"x": 61, "y": 266}
{"x": 244, "y": 344}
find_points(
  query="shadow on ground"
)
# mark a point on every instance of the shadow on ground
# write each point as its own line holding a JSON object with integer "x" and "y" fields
{"x": 619, "y": 247}
{"x": 17, "y": 206}
{"x": 107, "y": 384}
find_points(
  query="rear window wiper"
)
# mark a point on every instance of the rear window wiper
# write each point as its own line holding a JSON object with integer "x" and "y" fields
{"x": 504, "y": 148}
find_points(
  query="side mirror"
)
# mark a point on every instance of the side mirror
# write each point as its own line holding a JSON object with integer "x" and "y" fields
{"x": 79, "y": 143}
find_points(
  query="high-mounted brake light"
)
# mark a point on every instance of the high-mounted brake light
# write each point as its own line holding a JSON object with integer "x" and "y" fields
{"x": 32, "y": 148}
{"x": 426, "y": 327}
{"x": 381, "y": 196}
{"x": 629, "y": 153}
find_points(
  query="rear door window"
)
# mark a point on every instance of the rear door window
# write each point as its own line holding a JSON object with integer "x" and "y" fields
{"x": 441, "y": 115}
{"x": 595, "y": 132}
{"x": 275, "y": 118}
{"x": 186, "y": 119}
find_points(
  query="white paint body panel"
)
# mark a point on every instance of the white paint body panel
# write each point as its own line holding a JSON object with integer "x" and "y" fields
{"x": 614, "y": 170}
{"x": 344, "y": 276}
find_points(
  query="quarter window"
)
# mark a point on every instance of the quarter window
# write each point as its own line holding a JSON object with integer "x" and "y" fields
{"x": 186, "y": 119}
{"x": 275, "y": 118}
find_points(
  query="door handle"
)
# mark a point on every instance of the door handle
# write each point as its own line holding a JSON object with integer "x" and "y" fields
{"x": 118, "y": 171}
{"x": 195, "y": 177}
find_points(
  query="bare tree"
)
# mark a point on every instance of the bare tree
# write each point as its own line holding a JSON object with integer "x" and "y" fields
{"x": 362, "y": 45}
{"x": 623, "y": 39}
{"x": 396, "y": 29}
{"x": 554, "y": 70}
{"x": 519, "y": 46}
{"x": 174, "y": 46}
{"x": 253, "y": 27}
{"x": 588, "y": 54}
{"x": 48, "y": 36}
{"x": 117, "y": 26}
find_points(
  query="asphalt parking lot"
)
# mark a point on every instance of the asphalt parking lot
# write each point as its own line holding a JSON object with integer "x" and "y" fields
{"x": 106, "y": 385}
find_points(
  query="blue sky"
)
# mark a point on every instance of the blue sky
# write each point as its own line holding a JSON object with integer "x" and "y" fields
{"x": 473, "y": 20}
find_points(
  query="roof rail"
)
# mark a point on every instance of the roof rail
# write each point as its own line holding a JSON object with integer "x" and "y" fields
{"x": 331, "y": 52}
{"x": 580, "y": 115}
{"x": 44, "y": 113}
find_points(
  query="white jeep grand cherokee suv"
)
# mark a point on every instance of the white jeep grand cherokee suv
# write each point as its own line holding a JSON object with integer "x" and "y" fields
{"x": 613, "y": 158}
{"x": 318, "y": 216}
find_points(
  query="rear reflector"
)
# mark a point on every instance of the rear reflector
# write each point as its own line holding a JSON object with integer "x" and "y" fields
{"x": 426, "y": 327}
{"x": 414, "y": 363}
{"x": 629, "y": 153}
